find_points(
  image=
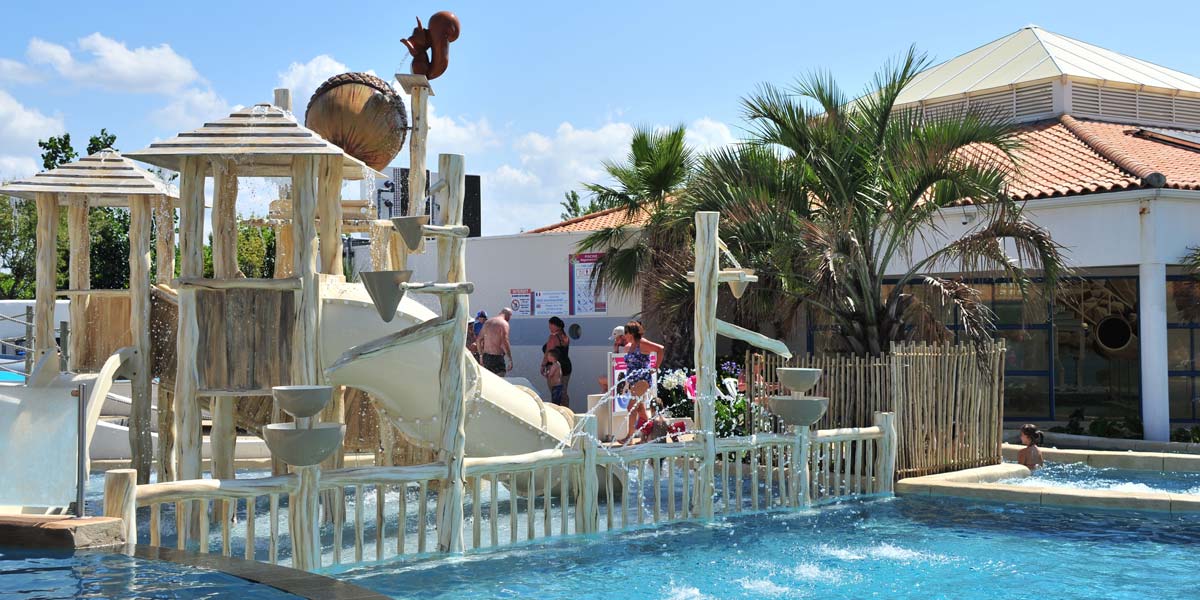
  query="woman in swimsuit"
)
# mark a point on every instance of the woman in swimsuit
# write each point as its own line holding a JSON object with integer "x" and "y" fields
{"x": 638, "y": 375}
{"x": 559, "y": 339}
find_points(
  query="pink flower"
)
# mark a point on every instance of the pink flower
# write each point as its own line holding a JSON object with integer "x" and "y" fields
{"x": 690, "y": 387}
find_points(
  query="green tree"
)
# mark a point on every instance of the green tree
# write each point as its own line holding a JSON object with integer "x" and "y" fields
{"x": 573, "y": 208}
{"x": 658, "y": 168}
{"x": 101, "y": 141}
{"x": 18, "y": 229}
{"x": 57, "y": 151}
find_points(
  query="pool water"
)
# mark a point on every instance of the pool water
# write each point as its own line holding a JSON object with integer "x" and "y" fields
{"x": 1081, "y": 476}
{"x": 897, "y": 548}
{"x": 44, "y": 575}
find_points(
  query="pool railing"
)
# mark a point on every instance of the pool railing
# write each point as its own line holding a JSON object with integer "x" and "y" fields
{"x": 582, "y": 489}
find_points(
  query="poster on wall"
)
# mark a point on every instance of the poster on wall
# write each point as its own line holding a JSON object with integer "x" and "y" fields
{"x": 550, "y": 303}
{"x": 522, "y": 302}
{"x": 586, "y": 298}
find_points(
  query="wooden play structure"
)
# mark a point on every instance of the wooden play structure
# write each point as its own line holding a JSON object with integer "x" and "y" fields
{"x": 101, "y": 321}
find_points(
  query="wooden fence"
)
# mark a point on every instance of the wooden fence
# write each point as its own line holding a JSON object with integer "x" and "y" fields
{"x": 949, "y": 405}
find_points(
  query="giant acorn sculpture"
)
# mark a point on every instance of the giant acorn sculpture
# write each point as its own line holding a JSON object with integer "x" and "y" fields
{"x": 362, "y": 114}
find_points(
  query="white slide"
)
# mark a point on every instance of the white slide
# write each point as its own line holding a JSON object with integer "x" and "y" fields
{"x": 502, "y": 418}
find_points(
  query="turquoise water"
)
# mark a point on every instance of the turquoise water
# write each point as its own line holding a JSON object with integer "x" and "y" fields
{"x": 9, "y": 377}
{"x": 1081, "y": 476}
{"x": 41, "y": 575}
{"x": 902, "y": 548}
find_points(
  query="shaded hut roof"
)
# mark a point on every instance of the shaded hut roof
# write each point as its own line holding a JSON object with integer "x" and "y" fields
{"x": 259, "y": 140}
{"x": 106, "y": 177}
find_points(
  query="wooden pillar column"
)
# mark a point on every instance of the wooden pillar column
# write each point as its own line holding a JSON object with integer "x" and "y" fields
{"x": 187, "y": 375}
{"x": 452, "y": 400}
{"x": 305, "y": 357}
{"x": 329, "y": 211}
{"x": 46, "y": 273}
{"x": 140, "y": 441}
{"x": 283, "y": 269}
{"x": 707, "y": 269}
{"x": 164, "y": 244}
{"x": 223, "y": 435}
{"x": 80, "y": 276}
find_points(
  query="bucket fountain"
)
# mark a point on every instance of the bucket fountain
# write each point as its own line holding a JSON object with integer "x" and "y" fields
{"x": 798, "y": 409}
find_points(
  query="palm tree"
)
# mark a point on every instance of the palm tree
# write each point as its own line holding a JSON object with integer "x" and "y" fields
{"x": 658, "y": 167}
{"x": 876, "y": 178}
{"x": 831, "y": 193}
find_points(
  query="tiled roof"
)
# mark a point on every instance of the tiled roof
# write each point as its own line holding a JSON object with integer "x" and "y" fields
{"x": 611, "y": 217}
{"x": 1057, "y": 157}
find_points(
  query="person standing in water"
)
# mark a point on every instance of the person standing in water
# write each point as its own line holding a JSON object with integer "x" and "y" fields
{"x": 1030, "y": 456}
{"x": 639, "y": 374}
{"x": 560, "y": 341}
{"x": 493, "y": 344}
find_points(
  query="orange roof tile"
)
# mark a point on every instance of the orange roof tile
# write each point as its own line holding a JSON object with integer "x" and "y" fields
{"x": 1057, "y": 157}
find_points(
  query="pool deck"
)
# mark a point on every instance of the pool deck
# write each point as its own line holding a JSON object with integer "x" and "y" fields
{"x": 981, "y": 484}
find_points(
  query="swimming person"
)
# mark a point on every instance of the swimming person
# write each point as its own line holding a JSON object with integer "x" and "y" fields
{"x": 638, "y": 375}
{"x": 1030, "y": 456}
{"x": 553, "y": 372}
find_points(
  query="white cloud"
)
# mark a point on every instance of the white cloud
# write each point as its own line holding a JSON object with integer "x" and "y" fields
{"x": 16, "y": 71}
{"x": 458, "y": 135}
{"x": 191, "y": 108}
{"x": 706, "y": 134}
{"x": 110, "y": 64}
{"x": 304, "y": 78}
{"x": 20, "y": 129}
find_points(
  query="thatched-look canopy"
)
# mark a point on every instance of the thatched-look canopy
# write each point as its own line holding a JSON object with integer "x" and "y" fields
{"x": 106, "y": 178}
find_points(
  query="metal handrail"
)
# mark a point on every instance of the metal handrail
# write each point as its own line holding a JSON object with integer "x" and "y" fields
{"x": 14, "y": 319}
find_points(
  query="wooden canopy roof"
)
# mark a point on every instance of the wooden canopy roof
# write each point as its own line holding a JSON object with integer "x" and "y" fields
{"x": 260, "y": 141}
{"x": 106, "y": 177}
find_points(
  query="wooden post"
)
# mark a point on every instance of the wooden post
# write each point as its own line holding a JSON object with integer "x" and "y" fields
{"x": 120, "y": 499}
{"x": 303, "y": 520}
{"x": 223, "y": 435}
{"x": 419, "y": 98}
{"x": 588, "y": 490}
{"x": 187, "y": 374}
{"x": 381, "y": 260}
{"x": 452, "y": 269}
{"x": 283, "y": 269}
{"x": 140, "y": 441}
{"x": 707, "y": 270}
{"x": 329, "y": 211}
{"x": 305, "y": 358}
{"x": 46, "y": 272}
{"x": 164, "y": 244}
{"x": 887, "y": 474}
{"x": 80, "y": 266}
{"x": 800, "y": 466}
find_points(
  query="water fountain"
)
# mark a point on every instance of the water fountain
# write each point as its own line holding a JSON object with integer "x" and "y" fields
{"x": 796, "y": 408}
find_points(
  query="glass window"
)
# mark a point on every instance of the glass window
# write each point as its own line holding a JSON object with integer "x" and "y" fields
{"x": 1182, "y": 391}
{"x": 1183, "y": 301}
{"x": 1179, "y": 350}
{"x": 1027, "y": 396}
{"x": 1027, "y": 349}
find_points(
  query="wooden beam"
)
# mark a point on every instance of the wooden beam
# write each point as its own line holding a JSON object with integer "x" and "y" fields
{"x": 79, "y": 277}
{"x": 452, "y": 400}
{"x": 47, "y": 274}
{"x": 84, "y": 293}
{"x": 329, "y": 214}
{"x": 164, "y": 246}
{"x": 187, "y": 350}
{"x": 707, "y": 271}
{"x": 222, "y": 433}
{"x": 753, "y": 338}
{"x": 305, "y": 358}
{"x": 140, "y": 441}
{"x": 200, "y": 283}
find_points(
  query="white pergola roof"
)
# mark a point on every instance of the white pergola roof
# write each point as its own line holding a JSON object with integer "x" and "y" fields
{"x": 260, "y": 141}
{"x": 1034, "y": 54}
{"x": 106, "y": 178}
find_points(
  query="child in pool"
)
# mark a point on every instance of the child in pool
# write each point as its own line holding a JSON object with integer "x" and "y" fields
{"x": 1030, "y": 456}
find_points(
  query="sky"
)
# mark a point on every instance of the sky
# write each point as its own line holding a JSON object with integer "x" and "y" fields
{"x": 538, "y": 94}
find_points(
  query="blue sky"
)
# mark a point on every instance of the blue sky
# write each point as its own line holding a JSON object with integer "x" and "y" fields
{"x": 537, "y": 94}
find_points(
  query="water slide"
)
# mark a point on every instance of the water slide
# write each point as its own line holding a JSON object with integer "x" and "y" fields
{"x": 39, "y": 429}
{"x": 502, "y": 418}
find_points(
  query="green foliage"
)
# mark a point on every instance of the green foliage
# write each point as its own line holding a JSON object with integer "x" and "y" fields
{"x": 1126, "y": 428}
{"x": 1183, "y": 434}
{"x": 101, "y": 141}
{"x": 18, "y": 229}
{"x": 110, "y": 247}
{"x": 57, "y": 151}
{"x": 573, "y": 208}
{"x": 1074, "y": 424}
{"x": 255, "y": 252}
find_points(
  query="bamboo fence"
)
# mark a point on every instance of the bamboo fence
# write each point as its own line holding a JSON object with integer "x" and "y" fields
{"x": 949, "y": 406}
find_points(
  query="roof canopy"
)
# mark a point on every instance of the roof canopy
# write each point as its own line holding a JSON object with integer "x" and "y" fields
{"x": 106, "y": 177}
{"x": 1034, "y": 54}
{"x": 260, "y": 141}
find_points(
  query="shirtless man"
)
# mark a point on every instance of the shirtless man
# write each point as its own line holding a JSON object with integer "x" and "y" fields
{"x": 493, "y": 343}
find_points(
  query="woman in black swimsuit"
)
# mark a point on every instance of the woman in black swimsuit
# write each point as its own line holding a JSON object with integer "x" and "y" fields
{"x": 559, "y": 339}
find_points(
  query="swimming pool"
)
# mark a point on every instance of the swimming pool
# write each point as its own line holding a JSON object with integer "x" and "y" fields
{"x": 1082, "y": 476}
{"x": 46, "y": 575}
{"x": 902, "y": 548}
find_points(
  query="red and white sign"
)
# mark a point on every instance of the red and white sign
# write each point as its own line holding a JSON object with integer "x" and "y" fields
{"x": 522, "y": 302}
